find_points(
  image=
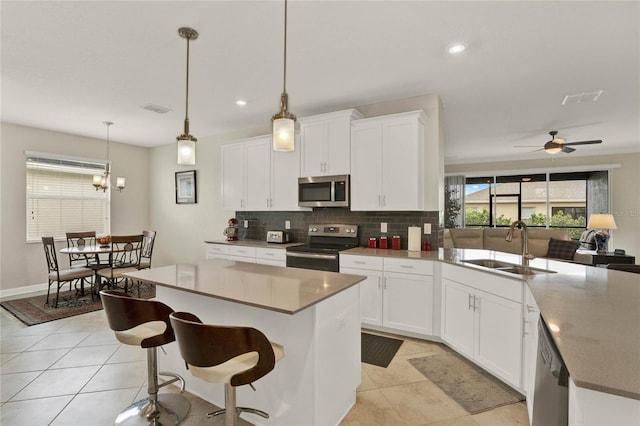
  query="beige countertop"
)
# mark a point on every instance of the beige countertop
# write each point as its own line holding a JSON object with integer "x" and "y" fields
{"x": 596, "y": 311}
{"x": 286, "y": 290}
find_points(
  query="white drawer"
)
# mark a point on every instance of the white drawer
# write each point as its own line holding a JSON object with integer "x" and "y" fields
{"x": 243, "y": 251}
{"x": 214, "y": 250}
{"x": 361, "y": 262}
{"x": 271, "y": 254}
{"x": 408, "y": 266}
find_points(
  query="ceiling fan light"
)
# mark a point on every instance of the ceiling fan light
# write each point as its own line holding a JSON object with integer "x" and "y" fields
{"x": 553, "y": 150}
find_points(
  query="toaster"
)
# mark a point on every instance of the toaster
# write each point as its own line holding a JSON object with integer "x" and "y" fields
{"x": 279, "y": 237}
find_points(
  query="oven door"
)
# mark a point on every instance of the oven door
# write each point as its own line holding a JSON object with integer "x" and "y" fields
{"x": 317, "y": 261}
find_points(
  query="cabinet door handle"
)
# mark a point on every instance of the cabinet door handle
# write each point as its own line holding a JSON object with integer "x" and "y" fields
{"x": 475, "y": 303}
{"x": 359, "y": 262}
{"x": 407, "y": 266}
{"x": 384, "y": 200}
{"x": 470, "y": 304}
{"x": 384, "y": 283}
{"x": 379, "y": 200}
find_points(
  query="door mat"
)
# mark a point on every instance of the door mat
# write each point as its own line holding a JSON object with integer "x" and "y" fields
{"x": 470, "y": 386}
{"x": 32, "y": 310}
{"x": 378, "y": 350}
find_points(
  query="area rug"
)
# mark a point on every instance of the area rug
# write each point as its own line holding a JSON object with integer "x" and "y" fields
{"x": 470, "y": 386}
{"x": 33, "y": 310}
{"x": 378, "y": 350}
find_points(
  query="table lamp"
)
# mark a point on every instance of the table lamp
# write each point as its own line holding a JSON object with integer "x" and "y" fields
{"x": 603, "y": 222}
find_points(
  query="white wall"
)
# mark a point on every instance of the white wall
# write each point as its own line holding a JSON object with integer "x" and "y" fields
{"x": 623, "y": 189}
{"x": 183, "y": 228}
{"x": 23, "y": 264}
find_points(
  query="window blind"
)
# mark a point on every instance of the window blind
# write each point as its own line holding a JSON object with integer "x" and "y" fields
{"x": 61, "y": 198}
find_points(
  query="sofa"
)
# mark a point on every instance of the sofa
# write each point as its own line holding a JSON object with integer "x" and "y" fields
{"x": 548, "y": 243}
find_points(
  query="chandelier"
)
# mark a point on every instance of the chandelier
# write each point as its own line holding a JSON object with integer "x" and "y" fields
{"x": 103, "y": 181}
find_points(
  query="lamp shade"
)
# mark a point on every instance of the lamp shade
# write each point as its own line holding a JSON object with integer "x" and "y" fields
{"x": 283, "y": 134}
{"x": 601, "y": 221}
{"x": 186, "y": 152}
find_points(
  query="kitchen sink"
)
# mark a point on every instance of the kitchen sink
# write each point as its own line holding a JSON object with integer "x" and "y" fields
{"x": 490, "y": 263}
{"x": 508, "y": 267}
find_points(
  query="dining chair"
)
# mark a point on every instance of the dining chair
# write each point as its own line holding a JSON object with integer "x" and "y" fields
{"x": 124, "y": 257}
{"x": 148, "y": 239}
{"x": 80, "y": 240}
{"x": 61, "y": 277}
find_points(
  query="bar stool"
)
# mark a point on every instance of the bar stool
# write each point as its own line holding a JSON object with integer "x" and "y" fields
{"x": 234, "y": 356}
{"x": 145, "y": 323}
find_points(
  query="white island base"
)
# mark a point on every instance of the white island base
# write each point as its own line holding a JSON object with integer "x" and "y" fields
{"x": 314, "y": 384}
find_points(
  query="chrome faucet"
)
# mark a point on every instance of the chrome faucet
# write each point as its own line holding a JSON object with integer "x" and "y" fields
{"x": 526, "y": 256}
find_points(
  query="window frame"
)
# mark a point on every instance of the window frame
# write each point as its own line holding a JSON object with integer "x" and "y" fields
{"x": 56, "y": 162}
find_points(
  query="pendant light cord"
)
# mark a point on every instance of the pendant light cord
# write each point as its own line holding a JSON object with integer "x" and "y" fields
{"x": 284, "y": 83}
{"x": 187, "y": 97}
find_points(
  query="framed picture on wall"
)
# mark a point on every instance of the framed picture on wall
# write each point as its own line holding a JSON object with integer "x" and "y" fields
{"x": 186, "y": 192}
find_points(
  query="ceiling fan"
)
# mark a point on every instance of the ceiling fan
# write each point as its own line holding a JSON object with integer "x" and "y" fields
{"x": 555, "y": 145}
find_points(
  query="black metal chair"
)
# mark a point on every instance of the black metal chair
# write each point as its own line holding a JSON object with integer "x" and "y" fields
{"x": 234, "y": 356}
{"x": 61, "y": 277}
{"x": 145, "y": 323}
{"x": 124, "y": 257}
{"x": 148, "y": 239}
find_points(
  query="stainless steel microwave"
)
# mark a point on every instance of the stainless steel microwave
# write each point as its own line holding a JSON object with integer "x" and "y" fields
{"x": 324, "y": 191}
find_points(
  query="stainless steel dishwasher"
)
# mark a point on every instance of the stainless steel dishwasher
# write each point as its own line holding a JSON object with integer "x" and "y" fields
{"x": 551, "y": 394}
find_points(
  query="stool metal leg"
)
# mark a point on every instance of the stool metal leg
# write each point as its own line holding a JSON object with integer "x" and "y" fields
{"x": 231, "y": 411}
{"x": 164, "y": 409}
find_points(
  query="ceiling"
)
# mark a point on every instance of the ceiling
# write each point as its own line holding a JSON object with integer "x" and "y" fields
{"x": 69, "y": 66}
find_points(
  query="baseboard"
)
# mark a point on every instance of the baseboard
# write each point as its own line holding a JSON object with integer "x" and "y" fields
{"x": 20, "y": 292}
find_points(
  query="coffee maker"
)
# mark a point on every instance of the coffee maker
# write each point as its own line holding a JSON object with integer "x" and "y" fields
{"x": 231, "y": 231}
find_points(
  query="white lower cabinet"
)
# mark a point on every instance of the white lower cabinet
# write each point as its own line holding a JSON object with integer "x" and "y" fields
{"x": 390, "y": 299}
{"x": 246, "y": 253}
{"x": 484, "y": 326}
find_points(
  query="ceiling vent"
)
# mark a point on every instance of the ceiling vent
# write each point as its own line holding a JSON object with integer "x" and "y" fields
{"x": 156, "y": 108}
{"x": 582, "y": 98}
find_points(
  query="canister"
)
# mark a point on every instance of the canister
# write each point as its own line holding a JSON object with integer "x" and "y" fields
{"x": 373, "y": 242}
{"x": 395, "y": 242}
{"x": 383, "y": 242}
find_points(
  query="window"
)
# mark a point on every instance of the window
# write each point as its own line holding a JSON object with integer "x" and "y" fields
{"x": 549, "y": 200}
{"x": 61, "y": 197}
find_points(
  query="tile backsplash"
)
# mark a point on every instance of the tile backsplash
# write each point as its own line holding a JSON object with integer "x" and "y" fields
{"x": 368, "y": 222}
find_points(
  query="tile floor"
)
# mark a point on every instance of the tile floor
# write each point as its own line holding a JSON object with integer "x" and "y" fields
{"x": 55, "y": 374}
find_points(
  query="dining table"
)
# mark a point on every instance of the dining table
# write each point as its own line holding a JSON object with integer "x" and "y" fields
{"x": 91, "y": 250}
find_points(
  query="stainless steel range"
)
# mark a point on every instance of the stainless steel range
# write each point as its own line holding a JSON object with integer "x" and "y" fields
{"x": 325, "y": 244}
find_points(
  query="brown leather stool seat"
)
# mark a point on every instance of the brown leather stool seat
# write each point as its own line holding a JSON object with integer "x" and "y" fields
{"x": 145, "y": 323}
{"x": 231, "y": 355}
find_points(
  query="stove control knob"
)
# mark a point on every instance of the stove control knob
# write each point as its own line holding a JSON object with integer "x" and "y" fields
{"x": 313, "y": 229}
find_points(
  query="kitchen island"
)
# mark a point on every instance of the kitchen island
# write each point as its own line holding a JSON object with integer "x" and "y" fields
{"x": 313, "y": 314}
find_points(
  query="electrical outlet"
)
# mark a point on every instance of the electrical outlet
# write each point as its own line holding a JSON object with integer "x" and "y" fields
{"x": 427, "y": 228}
{"x": 383, "y": 226}
{"x": 246, "y": 223}
{"x": 287, "y": 224}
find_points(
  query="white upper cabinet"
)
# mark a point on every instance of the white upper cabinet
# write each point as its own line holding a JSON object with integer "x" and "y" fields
{"x": 325, "y": 143}
{"x": 388, "y": 161}
{"x": 256, "y": 178}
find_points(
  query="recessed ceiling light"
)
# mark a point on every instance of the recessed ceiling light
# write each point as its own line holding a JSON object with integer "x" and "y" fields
{"x": 456, "y": 48}
{"x": 241, "y": 102}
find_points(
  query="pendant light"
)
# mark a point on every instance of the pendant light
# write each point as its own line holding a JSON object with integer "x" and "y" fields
{"x": 103, "y": 181}
{"x": 187, "y": 142}
{"x": 284, "y": 122}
